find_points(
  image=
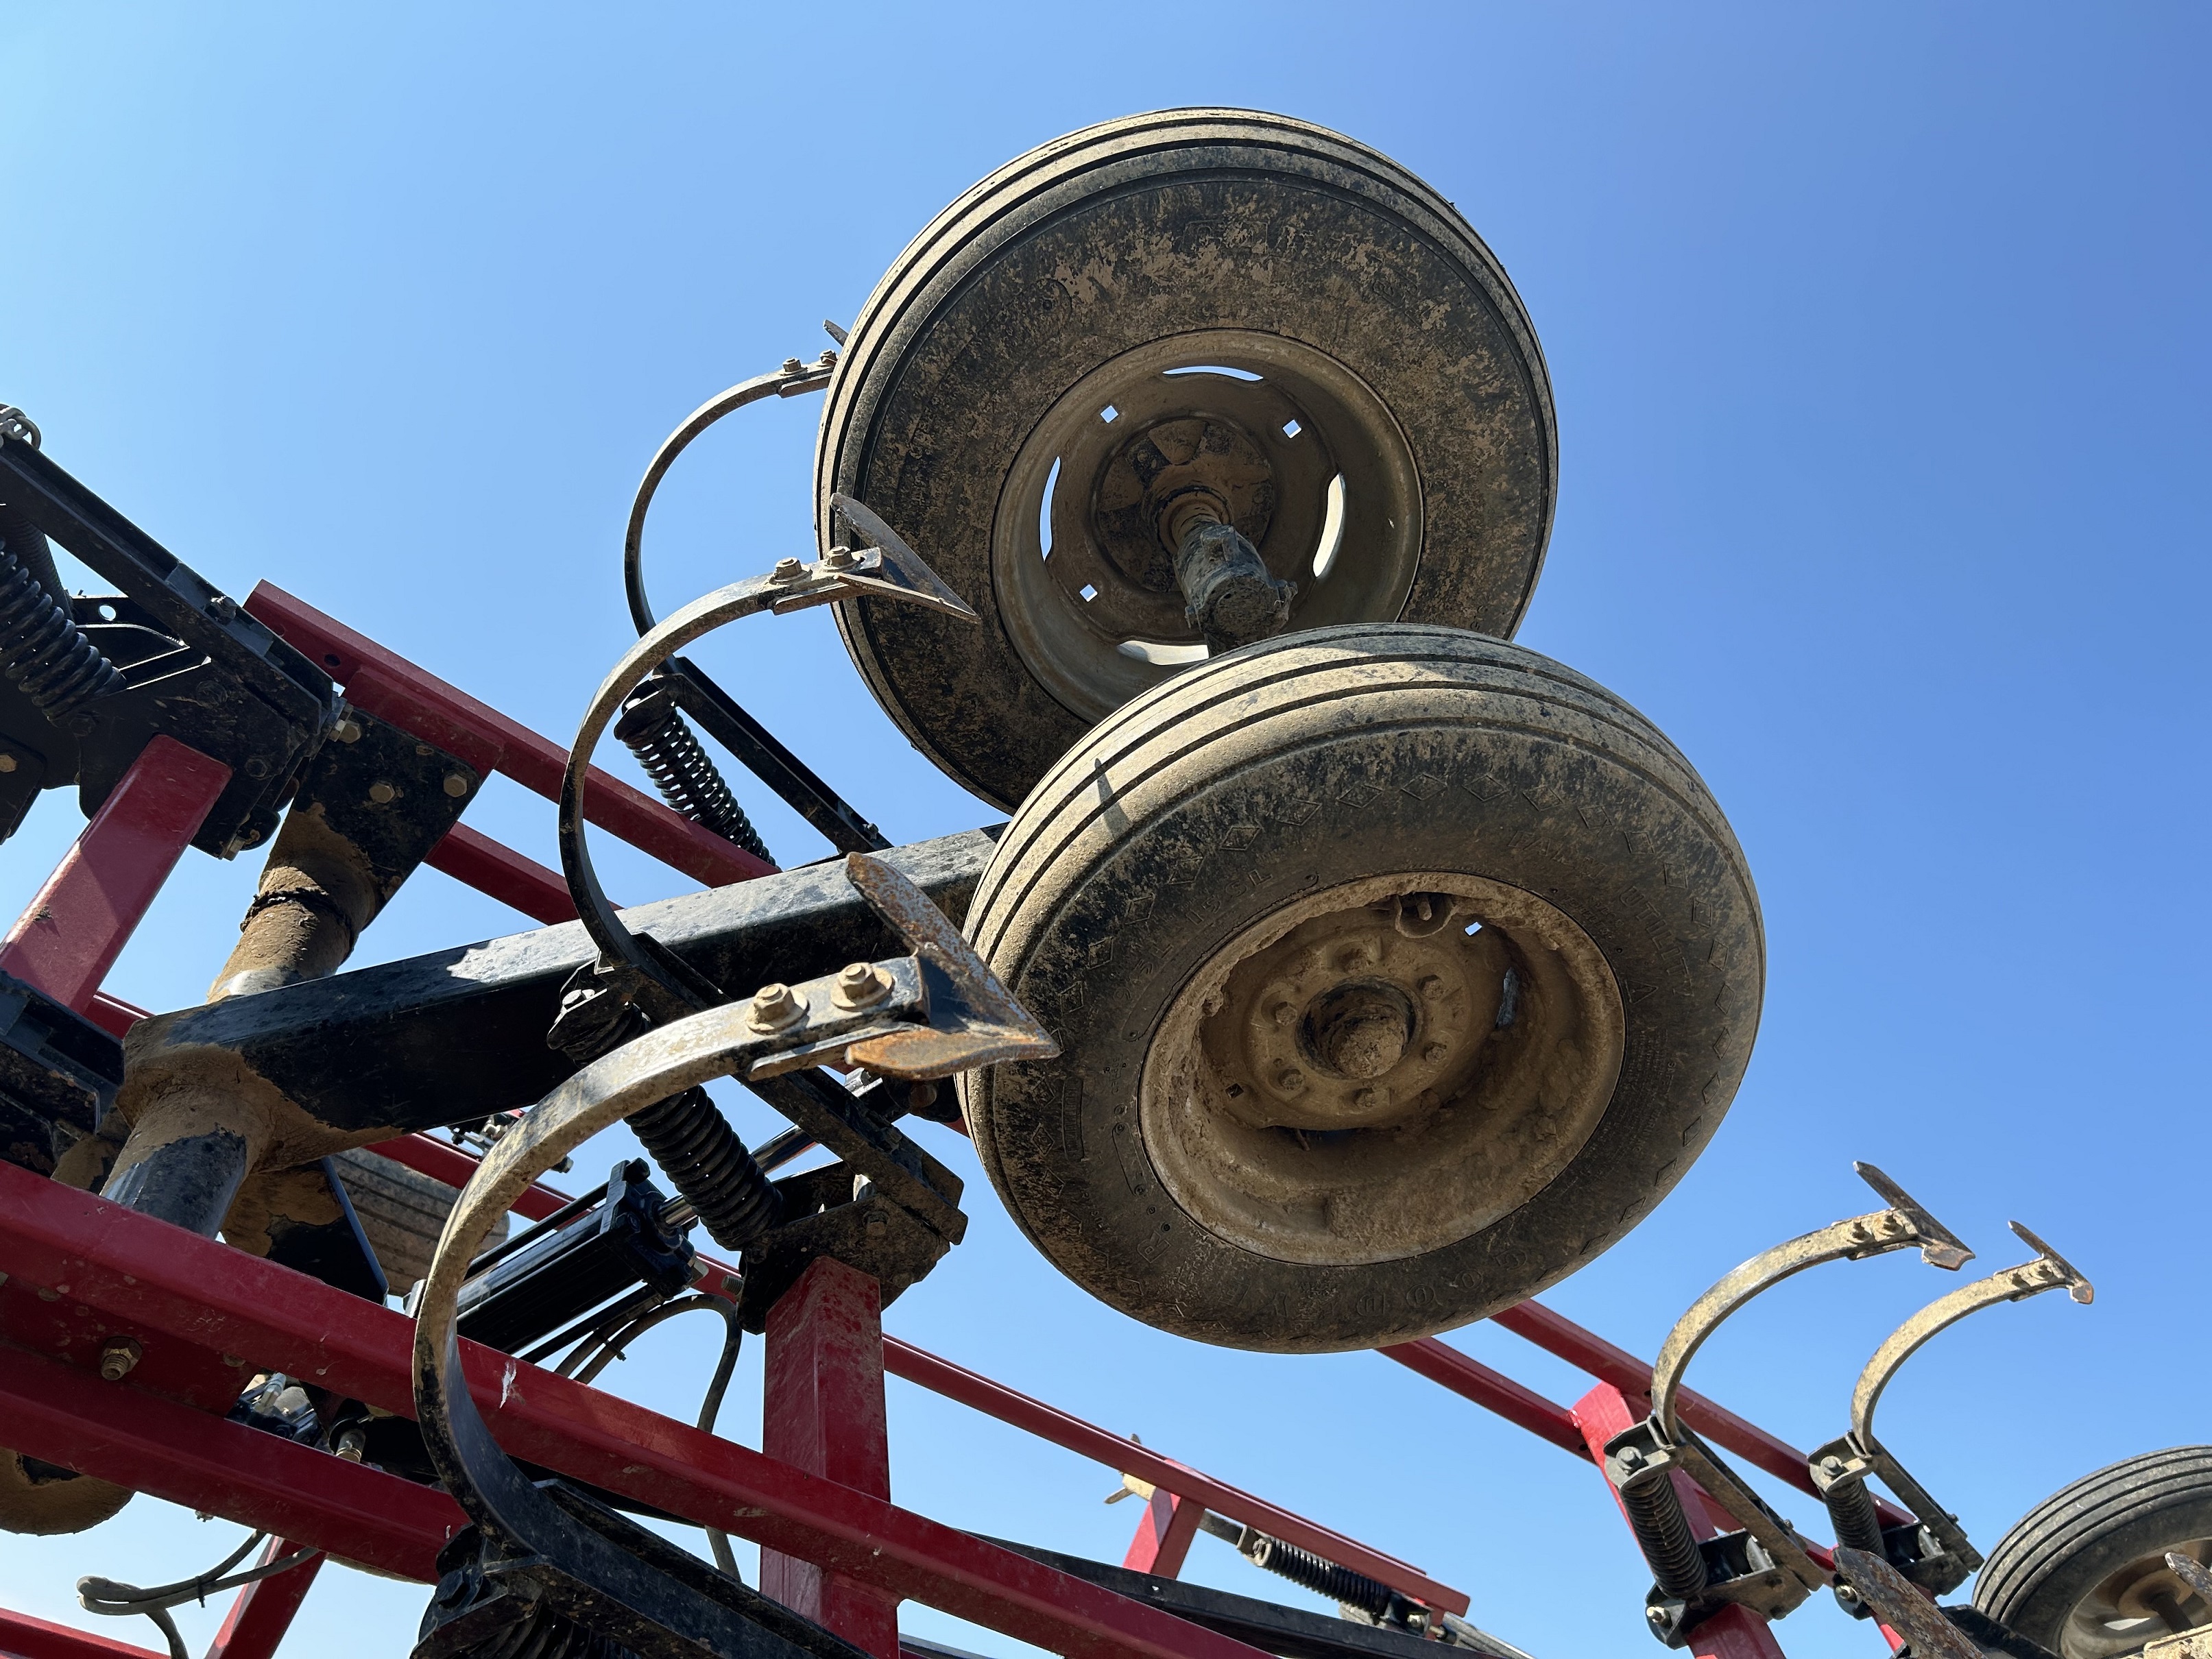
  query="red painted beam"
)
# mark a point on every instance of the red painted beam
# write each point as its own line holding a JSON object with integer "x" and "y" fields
{"x": 67, "y": 1415}
{"x": 500, "y": 872}
{"x": 1522, "y": 1407}
{"x": 1049, "y": 1423}
{"x": 22, "y": 1636}
{"x": 264, "y": 1611}
{"x": 1558, "y": 1335}
{"x": 393, "y": 688}
{"x": 77, "y": 926}
{"x": 168, "y": 1285}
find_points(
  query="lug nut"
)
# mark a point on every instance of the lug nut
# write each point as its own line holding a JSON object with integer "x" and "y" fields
{"x": 862, "y": 985}
{"x": 383, "y": 793}
{"x": 1371, "y": 1100}
{"x": 1290, "y": 1080}
{"x": 1430, "y": 987}
{"x": 1283, "y": 1014}
{"x": 455, "y": 784}
{"x": 776, "y": 1008}
{"x": 1434, "y": 1052}
{"x": 786, "y": 570}
{"x": 117, "y": 1356}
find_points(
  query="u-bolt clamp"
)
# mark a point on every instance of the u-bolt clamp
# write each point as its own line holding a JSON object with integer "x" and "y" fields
{"x": 545, "y": 1550}
{"x": 1933, "y": 1553}
{"x": 1764, "y": 1567}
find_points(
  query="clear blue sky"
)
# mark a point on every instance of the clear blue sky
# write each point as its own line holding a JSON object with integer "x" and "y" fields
{"x": 1879, "y": 338}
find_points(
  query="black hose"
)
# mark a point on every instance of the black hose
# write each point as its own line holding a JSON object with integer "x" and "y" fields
{"x": 106, "y": 1595}
{"x": 42, "y": 646}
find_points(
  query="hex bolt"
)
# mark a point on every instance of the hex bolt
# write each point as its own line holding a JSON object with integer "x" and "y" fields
{"x": 786, "y": 570}
{"x": 222, "y": 607}
{"x": 347, "y": 730}
{"x": 776, "y": 1008}
{"x": 861, "y": 985}
{"x": 827, "y": 360}
{"x": 383, "y": 793}
{"x": 1631, "y": 1459}
{"x": 257, "y": 767}
{"x": 352, "y": 1444}
{"x": 117, "y": 1356}
{"x": 455, "y": 784}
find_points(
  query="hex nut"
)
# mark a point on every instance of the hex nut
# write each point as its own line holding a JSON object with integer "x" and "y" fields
{"x": 839, "y": 557}
{"x": 861, "y": 985}
{"x": 117, "y": 1356}
{"x": 786, "y": 570}
{"x": 1432, "y": 988}
{"x": 776, "y": 1008}
{"x": 455, "y": 784}
{"x": 1435, "y": 1053}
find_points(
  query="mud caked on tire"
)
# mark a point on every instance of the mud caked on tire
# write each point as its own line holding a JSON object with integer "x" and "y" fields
{"x": 2084, "y": 1574}
{"x": 1397, "y": 972}
{"x": 1212, "y": 300}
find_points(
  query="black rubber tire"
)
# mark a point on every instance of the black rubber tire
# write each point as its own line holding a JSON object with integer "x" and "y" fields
{"x": 1179, "y": 220}
{"x": 2061, "y": 1550}
{"x": 1300, "y": 763}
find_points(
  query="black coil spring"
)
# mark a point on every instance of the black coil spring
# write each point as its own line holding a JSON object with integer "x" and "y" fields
{"x": 705, "y": 1161}
{"x": 1852, "y": 1513}
{"x": 41, "y": 646}
{"x": 537, "y": 1633}
{"x": 1655, "y": 1515}
{"x": 685, "y": 774}
{"x": 1322, "y": 1577}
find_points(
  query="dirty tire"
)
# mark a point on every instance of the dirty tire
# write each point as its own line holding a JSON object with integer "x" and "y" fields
{"x": 43, "y": 1502}
{"x": 1261, "y": 783}
{"x": 402, "y": 1213}
{"x": 1098, "y": 244}
{"x": 2044, "y": 1577}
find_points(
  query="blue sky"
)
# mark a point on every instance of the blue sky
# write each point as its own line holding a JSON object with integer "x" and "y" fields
{"x": 1880, "y": 348}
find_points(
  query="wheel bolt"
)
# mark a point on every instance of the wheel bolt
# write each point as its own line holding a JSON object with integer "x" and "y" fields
{"x": 1371, "y": 1100}
{"x": 1434, "y": 1052}
{"x": 1283, "y": 1014}
{"x": 1432, "y": 988}
{"x": 1290, "y": 1080}
{"x": 776, "y": 1008}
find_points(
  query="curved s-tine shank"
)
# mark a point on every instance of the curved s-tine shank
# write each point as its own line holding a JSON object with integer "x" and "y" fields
{"x": 917, "y": 583}
{"x": 2050, "y": 1271}
{"x": 1903, "y": 1223}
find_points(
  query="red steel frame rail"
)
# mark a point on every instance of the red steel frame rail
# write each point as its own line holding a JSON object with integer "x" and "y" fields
{"x": 79, "y": 1269}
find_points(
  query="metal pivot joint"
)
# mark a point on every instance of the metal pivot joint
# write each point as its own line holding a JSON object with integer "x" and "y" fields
{"x": 1932, "y": 1552}
{"x": 1764, "y": 1566}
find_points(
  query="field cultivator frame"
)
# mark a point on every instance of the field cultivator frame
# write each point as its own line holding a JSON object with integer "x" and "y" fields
{"x": 80, "y": 1270}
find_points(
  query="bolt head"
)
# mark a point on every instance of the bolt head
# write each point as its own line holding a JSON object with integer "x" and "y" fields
{"x": 1655, "y": 1615}
{"x": 861, "y": 985}
{"x": 455, "y": 784}
{"x": 1432, "y": 988}
{"x": 786, "y": 570}
{"x": 1435, "y": 1053}
{"x": 1284, "y": 1013}
{"x": 1630, "y": 1457}
{"x": 383, "y": 793}
{"x": 1371, "y": 1100}
{"x": 257, "y": 767}
{"x": 876, "y": 1224}
{"x": 839, "y": 557}
{"x": 792, "y": 364}
{"x": 347, "y": 730}
{"x": 1290, "y": 1080}
{"x": 7, "y": 762}
{"x": 776, "y": 1008}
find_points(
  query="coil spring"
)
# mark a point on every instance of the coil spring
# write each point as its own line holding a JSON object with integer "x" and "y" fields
{"x": 1322, "y": 1577}
{"x": 41, "y": 646}
{"x": 1655, "y": 1515}
{"x": 705, "y": 1161}
{"x": 1852, "y": 1513}
{"x": 684, "y": 773}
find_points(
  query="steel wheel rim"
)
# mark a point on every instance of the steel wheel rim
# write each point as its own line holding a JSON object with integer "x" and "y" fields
{"x": 1354, "y": 562}
{"x": 2122, "y": 1613}
{"x": 1381, "y": 1069}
